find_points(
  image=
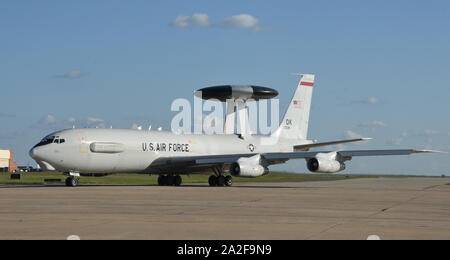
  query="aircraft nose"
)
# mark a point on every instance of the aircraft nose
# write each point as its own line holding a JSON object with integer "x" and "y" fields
{"x": 34, "y": 153}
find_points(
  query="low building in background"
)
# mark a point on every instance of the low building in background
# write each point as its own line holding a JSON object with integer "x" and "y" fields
{"x": 7, "y": 163}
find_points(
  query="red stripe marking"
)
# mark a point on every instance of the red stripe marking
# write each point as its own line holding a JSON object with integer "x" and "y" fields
{"x": 307, "y": 83}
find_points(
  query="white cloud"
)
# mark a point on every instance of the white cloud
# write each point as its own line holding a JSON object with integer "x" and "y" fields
{"x": 198, "y": 19}
{"x": 373, "y": 124}
{"x": 243, "y": 21}
{"x": 201, "y": 20}
{"x": 240, "y": 21}
{"x": 368, "y": 101}
{"x": 181, "y": 21}
{"x": 352, "y": 135}
{"x": 49, "y": 119}
{"x": 74, "y": 74}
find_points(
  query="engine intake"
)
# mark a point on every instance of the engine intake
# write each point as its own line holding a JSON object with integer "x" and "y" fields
{"x": 249, "y": 167}
{"x": 325, "y": 163}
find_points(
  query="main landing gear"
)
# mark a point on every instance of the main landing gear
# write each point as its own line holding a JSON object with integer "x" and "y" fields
{"x": 220, "y": 180}
{"x": 169, "y": 180}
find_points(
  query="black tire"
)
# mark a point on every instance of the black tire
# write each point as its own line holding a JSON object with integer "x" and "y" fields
{"x": 177, "y": 180}
{"x": 72, "y": 181}
{"x": 220, "y": 181}
{"x": 212, "y": 180}
{"x": 75, "y": 182}
{"x": 228, "y": 181}
{"x": 170, "y": 180}
{"x": 161, "y": 180}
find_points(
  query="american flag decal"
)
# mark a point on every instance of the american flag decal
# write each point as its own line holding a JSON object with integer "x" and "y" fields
{"x": 297, "y": 104}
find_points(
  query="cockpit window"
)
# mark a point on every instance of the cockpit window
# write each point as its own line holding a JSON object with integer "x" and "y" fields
{"x": 49, "y": 140}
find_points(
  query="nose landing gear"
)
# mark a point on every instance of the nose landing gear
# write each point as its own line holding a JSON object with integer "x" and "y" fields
{"x": 72, "y": 181}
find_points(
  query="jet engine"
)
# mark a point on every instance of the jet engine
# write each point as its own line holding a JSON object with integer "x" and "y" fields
{"x": 249, "y": 167}
{"x": 326, "y": 163}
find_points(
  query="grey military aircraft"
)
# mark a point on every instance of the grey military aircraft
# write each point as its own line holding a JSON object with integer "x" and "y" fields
{"x": 78, "y": 152}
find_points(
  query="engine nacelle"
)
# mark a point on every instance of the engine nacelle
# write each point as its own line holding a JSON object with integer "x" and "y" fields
{"x": 249, "y": 167}
{"x": 326, "y": 163}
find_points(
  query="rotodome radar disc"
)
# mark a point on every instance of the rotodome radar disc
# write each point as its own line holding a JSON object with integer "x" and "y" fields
{"x": 225, "y": 92}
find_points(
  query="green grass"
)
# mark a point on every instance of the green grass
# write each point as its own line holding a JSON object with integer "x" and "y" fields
{"x": 142, "y": 179}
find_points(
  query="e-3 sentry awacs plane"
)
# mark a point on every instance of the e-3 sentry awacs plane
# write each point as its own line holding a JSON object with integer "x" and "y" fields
{"x": 77, "y": 152}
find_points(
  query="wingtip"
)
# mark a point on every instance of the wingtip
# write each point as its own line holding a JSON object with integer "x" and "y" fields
{"x": 428, "y": 151}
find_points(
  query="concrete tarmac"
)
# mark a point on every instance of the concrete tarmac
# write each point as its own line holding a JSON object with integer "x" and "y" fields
{"x": 391, "y": 208}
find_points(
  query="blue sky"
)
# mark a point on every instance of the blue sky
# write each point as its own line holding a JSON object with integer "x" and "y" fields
{"x": 382, "y": 67}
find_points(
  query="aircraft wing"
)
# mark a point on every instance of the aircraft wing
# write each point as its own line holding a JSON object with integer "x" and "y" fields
{"x": 345, "y": 154}
{"x": 197, "y": 164}
{"x": 313, "y": 145}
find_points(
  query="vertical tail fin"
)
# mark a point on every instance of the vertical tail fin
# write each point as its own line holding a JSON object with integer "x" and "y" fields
{"x": 296, "y": 119}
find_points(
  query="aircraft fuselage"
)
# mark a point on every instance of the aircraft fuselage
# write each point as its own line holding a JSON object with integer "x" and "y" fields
{"x": 133, "y": 151}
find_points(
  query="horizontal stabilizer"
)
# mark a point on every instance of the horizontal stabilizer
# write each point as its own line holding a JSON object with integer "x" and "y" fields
{"x": 309, "y": 146}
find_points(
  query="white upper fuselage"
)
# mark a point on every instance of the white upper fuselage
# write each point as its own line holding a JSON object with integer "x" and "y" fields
{"x": 136, "y": 150}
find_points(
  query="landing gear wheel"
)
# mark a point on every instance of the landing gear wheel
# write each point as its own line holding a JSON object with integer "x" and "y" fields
{"x": 220, "y": 181}
{"x": 228, "y": 181}
{"x": 72, "y": 181}
{"x": 170, "y": 180}
{"x": 177, "y": 180}
{"x": 161, "y": 180}
{"x": 212, "y": 180}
